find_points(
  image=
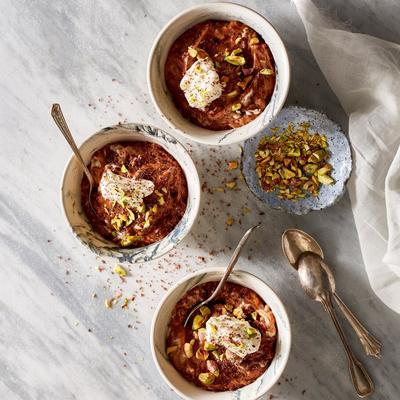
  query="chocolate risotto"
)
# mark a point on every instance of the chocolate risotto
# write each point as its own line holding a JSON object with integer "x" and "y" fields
{"x": 139, "y": 194}
{"x": 243, "y": 62}
{"x": 228, "y": 344}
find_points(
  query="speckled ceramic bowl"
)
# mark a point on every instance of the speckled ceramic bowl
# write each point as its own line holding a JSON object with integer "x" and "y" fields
{"x": 71, "y": 192}
{"x": 178, "y": 25}
{"x": 341, "y": 161}
{"x": 158, "y": 335}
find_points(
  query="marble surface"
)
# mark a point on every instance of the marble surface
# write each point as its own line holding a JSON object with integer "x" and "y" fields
{"x": 56, "y": 340}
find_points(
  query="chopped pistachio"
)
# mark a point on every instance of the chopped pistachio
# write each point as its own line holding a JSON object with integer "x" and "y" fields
{"x": 131, "y": 217}
{"x": 204, "y": 310}
{"x": 171, "y": 349}
{"x": 161, "y": 201}
{"x": 287, "y": 174}
{"x": 251, "y": 331}
{"x": 188, "y": 349}
{"x": 294, "y": 153}
{"x": 317, "y": 156}
{"x": 121, "y": 271}
{"x": 230, "y": 185}
{"x": 309, "y": 169}
{"x": 192, "y": 52}
{"x": 290, "y": 162}
{"x": 235, "y": 60}
{"x": 238, "y": 312}
{"x": 254, "y": 315}
{"x": 325, "y": 179}
{"x": 206, "y": 378}
{"x": 202, "y": 354}
{"x": 229, "y": 307}
{"x": 254, "y": 40}
{"x": 142, "y": 208}
{"x": 234, "y": 93}
{"x": 236, "y": 106}
{"x": 124, "y": 170}
{"x": 230, "y": 221}
{"x": 128, "y": 240}
{"x": 236, "y": 52}
{"x": 213, "y": 328}
{"x": 267, "y": 71}
{"x": 108, "y": 303}
{"x": 209, "y": 346}
{"x": 325, "y": 169}
{"x": 197, "y": 322}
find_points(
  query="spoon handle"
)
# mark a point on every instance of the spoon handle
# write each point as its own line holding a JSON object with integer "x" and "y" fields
{"x": 361, "y": 380}
{"x": 371, "y": 345}
{"x": 59, "y": 119}
{"x": 232, "y": 262}
{"x": 229, "y": 269}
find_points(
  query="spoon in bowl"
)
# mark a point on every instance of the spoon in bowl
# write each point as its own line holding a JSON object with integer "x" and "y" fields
{"x": 232, "y": 263}
{"x": 59, "y": 119}
{"x": 317, "y": 285}
{"x": 296, "y": 242}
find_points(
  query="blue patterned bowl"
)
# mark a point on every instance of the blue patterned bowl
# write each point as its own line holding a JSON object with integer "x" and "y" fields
{"x": 71, "y": 193}
{"x": 159, "y": 327}
{"x": 341, "y": 161}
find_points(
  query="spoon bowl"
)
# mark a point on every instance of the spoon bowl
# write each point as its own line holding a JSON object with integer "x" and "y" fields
{"x": 295, "y": 242}
{"x": 313, "y": 277}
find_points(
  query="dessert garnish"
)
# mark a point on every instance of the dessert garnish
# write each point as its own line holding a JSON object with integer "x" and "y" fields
{"x": 294, "y": 163}
{"x": 201, "y": 83}
{"x": 124, "y": 190}
{"x": 236, "y": 335}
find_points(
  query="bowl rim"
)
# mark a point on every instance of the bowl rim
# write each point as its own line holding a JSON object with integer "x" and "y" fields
{"x": 120, "y": 251}
{"x": 169, "y": 122}
{"x": 207, "y": 271}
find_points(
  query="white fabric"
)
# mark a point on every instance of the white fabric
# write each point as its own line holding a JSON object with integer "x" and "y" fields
{"x": 364, "y": 73}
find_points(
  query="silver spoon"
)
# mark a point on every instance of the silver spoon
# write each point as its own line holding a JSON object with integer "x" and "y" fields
{"x": 59, "y": 119}
{"x": 294, "y": 243}
{"x": 228, "y": 271}
{"x": 317, "y": 285}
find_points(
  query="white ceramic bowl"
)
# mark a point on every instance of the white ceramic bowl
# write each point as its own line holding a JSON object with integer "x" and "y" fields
{"x": 71, "y": 192}
{"x": 161, "y": 319}
{"x": 178, "y": 25}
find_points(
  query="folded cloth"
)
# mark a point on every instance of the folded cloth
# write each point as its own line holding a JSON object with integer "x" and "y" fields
{"x": 364, "y": 73}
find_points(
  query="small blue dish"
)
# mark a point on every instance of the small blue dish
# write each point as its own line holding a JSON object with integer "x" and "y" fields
{"x": 338, "y": 146}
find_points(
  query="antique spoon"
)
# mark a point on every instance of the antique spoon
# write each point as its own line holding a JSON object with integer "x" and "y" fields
{"x": 317, "y": 285}
{"x": 294, "y": 243}
{"x": 224, "y": 278}
{"x": 59, "y": 119}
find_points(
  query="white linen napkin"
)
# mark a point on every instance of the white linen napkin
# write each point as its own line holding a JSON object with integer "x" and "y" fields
{"x": 364, "y": 73}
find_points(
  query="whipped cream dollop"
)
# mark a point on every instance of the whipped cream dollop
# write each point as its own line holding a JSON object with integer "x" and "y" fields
{"x": 126, "y": 190}
{"x": 201, "y": 84}
{"x": 236, "y": 335}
